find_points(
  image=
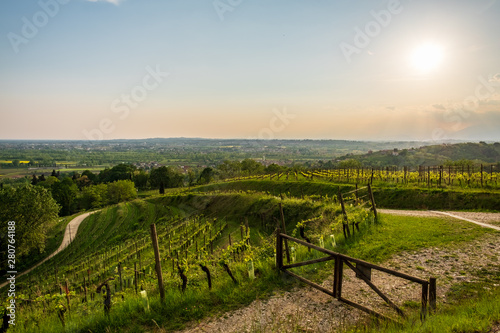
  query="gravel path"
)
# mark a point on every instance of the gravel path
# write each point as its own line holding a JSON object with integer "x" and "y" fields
{"x": 308, "y": 310}
{"x": 69, "y": 235}
{"x": 487, "y": 220}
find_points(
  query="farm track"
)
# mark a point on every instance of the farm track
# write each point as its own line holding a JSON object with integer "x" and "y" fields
{"x": 487, "y": 220}
{"x": 69, "y": 236}
{"x": 306, "y": 309}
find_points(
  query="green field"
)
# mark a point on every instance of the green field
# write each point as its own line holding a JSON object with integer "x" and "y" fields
{"x": 25, "y": 172}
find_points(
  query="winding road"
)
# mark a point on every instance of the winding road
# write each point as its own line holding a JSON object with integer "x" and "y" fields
{"x": 69, "y": 235}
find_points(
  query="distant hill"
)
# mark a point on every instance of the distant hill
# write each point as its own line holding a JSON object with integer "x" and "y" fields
{"x": 431, "y": 155}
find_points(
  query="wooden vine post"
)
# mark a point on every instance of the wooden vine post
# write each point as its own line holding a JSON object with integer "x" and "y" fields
{"x": 154, "y": 238}
{"x": 372, "y": 199}
{"x": 120, "y": 275}
{"x": 67, "y": 294}
{"x": 135, "y": 276}
{"x": 345, "y": 223}
{"x": 279, "y": 249}
{"x": 284, "y": 231}
{"x": 85, "y": 289}
{"x": 481, "y": 175}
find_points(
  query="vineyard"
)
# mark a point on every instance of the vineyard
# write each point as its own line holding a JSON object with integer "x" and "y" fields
{"x": 424, "y": 176}
{"x": 216, "y": 250}
{"x": 209, "y": 245}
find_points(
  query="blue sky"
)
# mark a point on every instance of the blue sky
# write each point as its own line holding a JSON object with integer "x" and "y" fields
{"x": 379, "y": 70}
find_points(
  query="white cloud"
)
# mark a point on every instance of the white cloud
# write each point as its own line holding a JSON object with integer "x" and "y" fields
{"x": 115, "y": 2}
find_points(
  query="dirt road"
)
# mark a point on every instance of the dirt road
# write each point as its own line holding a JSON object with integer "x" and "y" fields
{"x": 69, "y": 235}
{"x": 487, "y": 220}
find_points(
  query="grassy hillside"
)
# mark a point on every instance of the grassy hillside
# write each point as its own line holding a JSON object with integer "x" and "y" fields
{"x": 385, "y": 196}
{"x": 115, "y": 240}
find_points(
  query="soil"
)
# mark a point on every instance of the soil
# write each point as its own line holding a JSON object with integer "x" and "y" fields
{"x": 306, "y": 309}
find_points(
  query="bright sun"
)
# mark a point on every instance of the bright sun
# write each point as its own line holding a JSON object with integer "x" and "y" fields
{"x": 427, "y": 57}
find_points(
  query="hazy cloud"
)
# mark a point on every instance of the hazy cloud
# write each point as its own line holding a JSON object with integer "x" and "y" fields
{"x": 439, "y": 106}
{"x": 490, "y": 102}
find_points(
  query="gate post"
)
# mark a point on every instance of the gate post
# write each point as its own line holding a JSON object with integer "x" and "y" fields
{"x": 432, "y": 294}
{"x": 337, "y": 277}
{"x": 425, "y": 292}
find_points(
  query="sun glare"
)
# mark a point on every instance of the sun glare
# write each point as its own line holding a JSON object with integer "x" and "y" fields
{"x": 427, "y": 57}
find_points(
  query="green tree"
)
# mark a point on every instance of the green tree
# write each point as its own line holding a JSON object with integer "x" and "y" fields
{"x": 165, "y": 177}
{"x": 191, "y": 178}
{"x": 91, "y": 176}
{"x": 350, "y": 164}
{"x": 65, "y": 192}
{"x": 93, "y": 196}
{"x": 118, "y": 172}
{"x": 83, "y": 182}
{"x": 228, "y": 169}
{"x": 275, "y": 168}
{"x": 251, "y": 167}
{"x": 206, "y": 176}
{"x": 33, "y": 210}
{"x": 47, "y": 183}
{"x": 141, "y": 179}
{"x": 121, "y": 190}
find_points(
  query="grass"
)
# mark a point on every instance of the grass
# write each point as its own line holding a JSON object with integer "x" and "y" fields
{"x": 24, "y": 171}
{"x": 473, "y": 308}
{"x": 54, "y": 239}
{"x": 129, "y": 315}
{"x": 386, "y": 195}
{"x": 406, "y": 233}
{"x": 375, "y": 243}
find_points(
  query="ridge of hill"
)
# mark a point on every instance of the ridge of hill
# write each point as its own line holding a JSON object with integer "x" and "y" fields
{"x": 442, "y": 154}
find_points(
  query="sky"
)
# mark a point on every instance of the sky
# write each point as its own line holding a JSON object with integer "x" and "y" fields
{"x": 284, "y": 69}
